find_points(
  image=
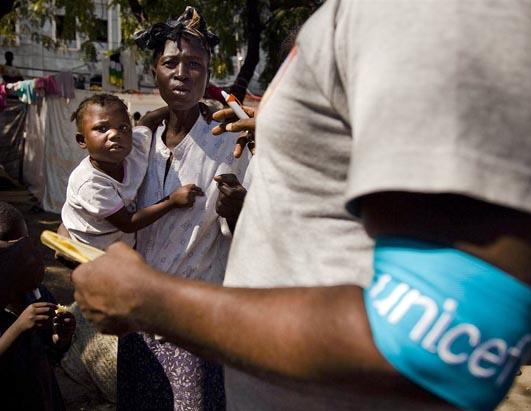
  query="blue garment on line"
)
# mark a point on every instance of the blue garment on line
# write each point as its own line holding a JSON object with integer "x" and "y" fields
{"x": 25, "y": 90}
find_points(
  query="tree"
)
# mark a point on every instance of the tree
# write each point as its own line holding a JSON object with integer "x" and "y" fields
{"x": 239, "y": 24}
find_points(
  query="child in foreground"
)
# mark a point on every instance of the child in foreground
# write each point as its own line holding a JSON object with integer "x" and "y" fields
{"x": 33, "y": 333}
{"x": 99, "y": 207}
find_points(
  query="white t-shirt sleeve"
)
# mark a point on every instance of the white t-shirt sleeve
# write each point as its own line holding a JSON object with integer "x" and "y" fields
{"x": 141, "y": 143}
{"x": 100, "y": 201}
{"x": 438, "y": 100}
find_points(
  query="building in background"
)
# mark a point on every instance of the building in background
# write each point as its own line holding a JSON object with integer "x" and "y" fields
{"x": 33, "y": 59}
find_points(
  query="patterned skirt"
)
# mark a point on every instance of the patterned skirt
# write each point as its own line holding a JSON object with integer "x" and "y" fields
{"x": 154, "y": 375}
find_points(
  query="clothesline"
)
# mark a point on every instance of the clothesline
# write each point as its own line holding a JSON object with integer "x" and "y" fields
{"x": 50, "y": 71}
{"x": 30, "y": 91}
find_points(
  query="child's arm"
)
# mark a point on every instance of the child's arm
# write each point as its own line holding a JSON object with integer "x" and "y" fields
{"x": 35, "y": 315}
{"x": 130, "y": 222}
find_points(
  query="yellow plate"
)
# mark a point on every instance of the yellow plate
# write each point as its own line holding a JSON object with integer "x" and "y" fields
{"x": 72, "y": 249}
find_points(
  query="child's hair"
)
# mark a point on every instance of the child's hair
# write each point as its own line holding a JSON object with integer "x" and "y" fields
{"x": 101, "y": 99}
{"x": 10, "y": 221}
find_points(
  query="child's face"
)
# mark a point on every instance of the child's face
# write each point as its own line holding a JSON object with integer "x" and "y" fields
{"x": 181, "y": 73}
{"x": 106, "y": 133}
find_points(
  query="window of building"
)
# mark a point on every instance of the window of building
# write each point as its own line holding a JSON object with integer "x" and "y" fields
{"x": 101, "y": 31}
{"x": 61, "y": 32}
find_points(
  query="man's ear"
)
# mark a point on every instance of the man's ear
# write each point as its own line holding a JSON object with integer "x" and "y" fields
{"x": 81, "y": 140}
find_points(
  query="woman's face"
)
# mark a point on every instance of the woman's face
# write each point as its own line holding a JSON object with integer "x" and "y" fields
{"x": 181, "y": 73}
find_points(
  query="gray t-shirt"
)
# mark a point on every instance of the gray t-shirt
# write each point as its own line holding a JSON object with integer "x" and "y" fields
{"x": 378, "y": 95}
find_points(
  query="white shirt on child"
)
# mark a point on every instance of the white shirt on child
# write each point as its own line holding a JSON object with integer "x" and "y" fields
{"x": 92, "y": 196}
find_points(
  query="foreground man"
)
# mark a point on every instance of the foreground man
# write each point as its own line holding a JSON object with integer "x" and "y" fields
{"x": 416, "y": 115}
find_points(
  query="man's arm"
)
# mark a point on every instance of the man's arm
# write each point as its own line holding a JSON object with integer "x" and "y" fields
{"x": 315, "y": 334}
{"x": 311, "y": 334}
{"x": 318, "y": 334}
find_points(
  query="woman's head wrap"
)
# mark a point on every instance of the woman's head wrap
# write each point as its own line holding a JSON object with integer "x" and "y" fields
{"x": 190, "y": 22}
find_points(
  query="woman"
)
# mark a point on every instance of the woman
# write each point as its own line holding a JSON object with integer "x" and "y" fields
{"x": 192, "y": 243}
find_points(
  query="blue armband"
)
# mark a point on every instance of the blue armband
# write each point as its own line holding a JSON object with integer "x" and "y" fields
{"x": 452, "y": 323}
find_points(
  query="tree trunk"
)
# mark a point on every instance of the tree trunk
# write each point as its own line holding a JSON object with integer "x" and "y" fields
{"x": 254, "y": 32}
{"x": 138, "y": 11}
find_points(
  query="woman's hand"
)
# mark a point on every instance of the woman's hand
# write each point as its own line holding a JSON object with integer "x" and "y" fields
{"x": 230, "y": 198}
{"x": 246, "y": 127}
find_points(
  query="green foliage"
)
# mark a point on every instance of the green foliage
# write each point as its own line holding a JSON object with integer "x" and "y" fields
{"x": 32, "y": 15}
{"x": 224, "y": 18}
{"x": 227, "y": 18}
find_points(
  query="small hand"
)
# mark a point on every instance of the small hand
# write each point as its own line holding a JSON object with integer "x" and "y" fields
{"x": 35, "y": 315}
{"x": 229, "y": 122}
{"x": 153, "y": 119}
{"x": 230, "y": 198}
{"x": 185, "y": 196}
{"x": 64, "y": 326}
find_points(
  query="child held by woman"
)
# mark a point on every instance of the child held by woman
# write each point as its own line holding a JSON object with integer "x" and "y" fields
{"x": 101, "y": 193}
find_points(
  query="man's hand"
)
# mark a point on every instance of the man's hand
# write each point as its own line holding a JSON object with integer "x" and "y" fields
{"x": 229, "y": 122}
{"x": 111, "y": 290}
{"x": 153, "y": 119}
{"x": 230, "y": 198}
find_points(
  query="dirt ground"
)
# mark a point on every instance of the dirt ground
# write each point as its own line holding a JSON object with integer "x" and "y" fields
{"x": 57, "y": 279}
